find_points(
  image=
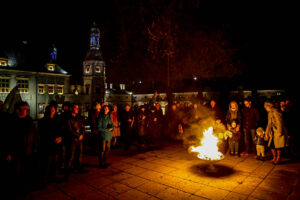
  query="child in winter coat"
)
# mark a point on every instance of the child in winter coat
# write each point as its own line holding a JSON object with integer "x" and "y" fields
{"x": 259, "y": 140}
{"x": 234, "y": 139}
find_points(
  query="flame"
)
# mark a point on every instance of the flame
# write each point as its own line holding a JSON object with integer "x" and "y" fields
{"x": 208, "y": 150}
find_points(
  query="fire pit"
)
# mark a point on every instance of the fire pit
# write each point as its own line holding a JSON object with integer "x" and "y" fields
{"x": 208, "y": 150}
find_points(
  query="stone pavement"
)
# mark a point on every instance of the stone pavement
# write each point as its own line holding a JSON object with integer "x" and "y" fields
{"x": 172, "y": 173}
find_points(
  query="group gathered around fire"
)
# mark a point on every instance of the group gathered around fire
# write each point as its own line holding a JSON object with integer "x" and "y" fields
{"x": 34, "y": 154}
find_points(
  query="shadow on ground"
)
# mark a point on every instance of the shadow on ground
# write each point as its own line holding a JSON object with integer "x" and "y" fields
{"x": 212, "y": 171}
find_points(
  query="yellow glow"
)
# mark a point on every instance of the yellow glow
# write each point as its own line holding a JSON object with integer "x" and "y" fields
{"x": 50, "y": 67}
{"x": 98, "y": 69}
{"x": 208, "y": 150}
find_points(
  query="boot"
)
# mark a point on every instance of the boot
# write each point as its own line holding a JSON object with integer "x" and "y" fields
{"x": 276, "y": 162}
{"x": 274, "y": 155}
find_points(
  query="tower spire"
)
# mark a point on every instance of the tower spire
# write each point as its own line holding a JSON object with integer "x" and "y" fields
{"x": 95, "y": 37}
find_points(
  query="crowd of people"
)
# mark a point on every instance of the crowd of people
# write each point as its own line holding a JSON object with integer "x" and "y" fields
{"x": 35, "y": 154}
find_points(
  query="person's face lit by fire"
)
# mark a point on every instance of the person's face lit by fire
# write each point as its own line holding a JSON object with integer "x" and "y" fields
{"x": 247, "y": 103}
{"x": 52, "y": 110}
{"x": 75, "y": 110}
{"x": 115, "y": 108}
{"x": 157, "y": 106}
{"x": 127, "y": 108}
{"x": 233, "y": 107}
{"x": 195, "y": 106}
{"x": 23, "y": 111}
{"x": 98, "y": 107}
{"x": 173, "y": 107}
{"x": 212, "y": 103}
{"x": 106, "y": 110}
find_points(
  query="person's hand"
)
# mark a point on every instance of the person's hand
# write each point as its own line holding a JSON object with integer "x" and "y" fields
{"x": 9, "y": 158}
{"x": 155, "y": 119}
{"x": 110, "y": 129}
{"x": 144, "y": 117}
{"x": 237, "y": 128}
{"x": 129, "y": 120}
{"x": 80, "y": 137}
{"x": 218, "y": 121}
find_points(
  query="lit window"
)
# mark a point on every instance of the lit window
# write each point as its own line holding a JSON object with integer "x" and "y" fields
{"x": 3, "y": 61}
{"x": 42, "y": 108}
{"x": 111, "y": 86}
{"x": 50, "y": 89}
{"x": 23, "y": 85}
{"x": 98, "y": 69}
{"x": 41, "y": 89}
{"x": 4, "y": 85}
{"x": 60, "y": 89}
{"x": 87, "y": 69}
{"x": 105, "y": 85}
{"x": 122, "y": 86}
{"x": 51, "y": 67}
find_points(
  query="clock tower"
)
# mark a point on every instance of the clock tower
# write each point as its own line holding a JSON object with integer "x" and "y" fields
{"x": 94, "y": 68}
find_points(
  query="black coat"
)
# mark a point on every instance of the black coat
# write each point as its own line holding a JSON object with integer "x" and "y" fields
{"x": 250, "y": 117}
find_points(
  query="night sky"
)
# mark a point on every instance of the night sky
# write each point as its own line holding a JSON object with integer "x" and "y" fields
{"x": 264, "y": 34}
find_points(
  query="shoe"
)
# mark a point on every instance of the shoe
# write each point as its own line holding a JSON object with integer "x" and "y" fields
{"x": 262, "y": 158}
{"x": 231, "y": 153}
{"x": 257, "y": 158}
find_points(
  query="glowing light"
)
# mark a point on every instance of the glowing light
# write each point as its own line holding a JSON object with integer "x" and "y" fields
{"x": 208, "y": 150}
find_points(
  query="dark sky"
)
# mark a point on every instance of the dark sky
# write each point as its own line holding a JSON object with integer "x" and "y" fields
{"x": 264, "y": 32}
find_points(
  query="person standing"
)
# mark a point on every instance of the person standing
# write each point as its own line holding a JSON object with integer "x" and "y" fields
{"x": 115, "y": 119}
{"x": 93, "y": 119}
{"x": 105, "y": 128}
{"x": 126, "y": 126}
{"x": 250, "y": 117}
{"x": 233, "y": 113}
{"x": 50, "y": 145}
{"x": 23, "y": 147}
{"x": 76, "y": 131}
{"x": 141, "y": 126}
{"x": 275, "y": 131}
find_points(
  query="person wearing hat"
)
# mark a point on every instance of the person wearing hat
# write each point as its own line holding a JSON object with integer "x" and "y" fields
{"x": 275, "y": 131}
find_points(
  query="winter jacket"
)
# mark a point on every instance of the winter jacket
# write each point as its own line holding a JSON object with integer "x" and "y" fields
{"x": 250, "y": 117}
{"x": 75, "y": 127}
{"x": 103, "y": 125}
{"x": 236, "y": 135}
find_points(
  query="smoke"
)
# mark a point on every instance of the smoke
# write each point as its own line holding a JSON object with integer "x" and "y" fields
{"x": 193, "y": 131}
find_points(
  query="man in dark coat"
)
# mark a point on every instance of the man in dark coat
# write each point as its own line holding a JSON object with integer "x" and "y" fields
{"x": 50, "y": 145}
{"x": 250, "y": 117}
{"x": 76, "y": 133}
{"x": 126, "y": 120}
{"x": 23, "y": 146}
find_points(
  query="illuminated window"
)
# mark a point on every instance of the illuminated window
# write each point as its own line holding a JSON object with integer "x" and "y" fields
{"x": 3, "y": 61}
{"x": 23, "y": 85}
{"x": 4, "y": 85}
{"x": 41, "y": 89}
{"x": 87, "y": 69}
{"x": 50, "y": 89}
{"x": 98, "y": 69}
{"x": 60, "y": 89}
{"x": 51, "y": 67}
{"x": 111, "y": 86}
{"x": 122, "y": 86}
{"x": 105, "y": 85}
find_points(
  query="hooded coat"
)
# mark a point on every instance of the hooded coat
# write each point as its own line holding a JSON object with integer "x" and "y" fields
{"x": 233, "y": 115}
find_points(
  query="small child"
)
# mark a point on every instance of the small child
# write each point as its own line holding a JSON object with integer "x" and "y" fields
{"x": 234, "y": 139}
{"x": 259, "y": 140}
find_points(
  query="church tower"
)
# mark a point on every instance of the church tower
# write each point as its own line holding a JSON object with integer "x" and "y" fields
{"x": 94, "y": 68}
